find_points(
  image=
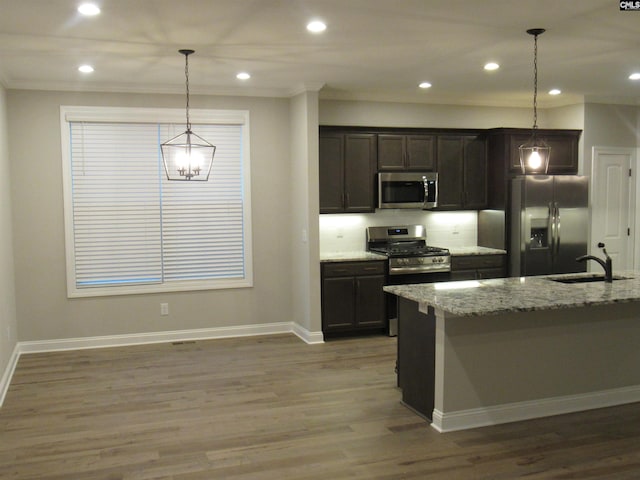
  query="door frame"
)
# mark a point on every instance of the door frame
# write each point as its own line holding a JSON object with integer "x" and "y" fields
{"x": 633, "y": 249}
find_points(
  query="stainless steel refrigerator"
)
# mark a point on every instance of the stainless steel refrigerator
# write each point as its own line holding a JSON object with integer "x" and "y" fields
{"x": 549, "y": 224}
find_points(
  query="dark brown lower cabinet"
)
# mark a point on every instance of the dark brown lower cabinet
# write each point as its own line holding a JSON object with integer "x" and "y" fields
{"x": 352, "y": 297}
{"x": 476, "y": 267}
{"x": 416, "y": 357}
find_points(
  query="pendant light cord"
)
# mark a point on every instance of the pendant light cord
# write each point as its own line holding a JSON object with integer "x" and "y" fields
{"x": 535, "y": 82}
{"x": 186, "y": 74}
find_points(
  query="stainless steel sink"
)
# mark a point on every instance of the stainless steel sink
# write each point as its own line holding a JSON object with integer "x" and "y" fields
{"x": 585, "y": 279}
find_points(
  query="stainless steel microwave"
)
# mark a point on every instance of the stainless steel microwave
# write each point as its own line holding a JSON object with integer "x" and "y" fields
{"x": 417, "y": 190}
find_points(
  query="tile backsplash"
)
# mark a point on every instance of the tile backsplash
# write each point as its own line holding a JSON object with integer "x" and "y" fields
{"x": 346, "y": 232}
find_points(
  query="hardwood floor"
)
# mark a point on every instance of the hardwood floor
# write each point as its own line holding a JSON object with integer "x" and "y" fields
{"x": 274, "y": 408}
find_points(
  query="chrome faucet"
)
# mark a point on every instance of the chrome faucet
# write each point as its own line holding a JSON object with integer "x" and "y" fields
{"x": 606, "y": 264}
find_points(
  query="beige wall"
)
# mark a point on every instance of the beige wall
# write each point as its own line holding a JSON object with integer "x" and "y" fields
{"x": 284, "y": 195}
{"x": 8, "y": 325}
{"x": 608, "y": 126}
{"x": 304, "y": 195}
{"x": 43, "y": 309}
{"x": 382, "y": 114}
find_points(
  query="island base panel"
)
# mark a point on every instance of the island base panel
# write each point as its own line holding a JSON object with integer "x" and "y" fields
{"x": 416, "y": 357}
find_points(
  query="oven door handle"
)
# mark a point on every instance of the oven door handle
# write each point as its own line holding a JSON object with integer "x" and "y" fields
{"x": 419, "y": 269}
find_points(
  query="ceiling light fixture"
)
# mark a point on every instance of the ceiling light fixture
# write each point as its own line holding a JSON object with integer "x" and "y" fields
{"x": 491, "y": 66}
{"x": 555, "y": 91}
{"x": 89, "y": 9}
{"x": 634, "y": 76}
{"x": 316, "y": 26}
{"x": 187, "y": 156}
{"x": 535, "y": 153}
{"x": 85, "y": 69}
{"x": 424, "y": 85}
{"x": 243, "y": 76}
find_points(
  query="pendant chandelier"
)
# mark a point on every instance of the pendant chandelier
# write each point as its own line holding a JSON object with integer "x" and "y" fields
{"x": 535, "y": 153}
{"x": 187, "y": 156}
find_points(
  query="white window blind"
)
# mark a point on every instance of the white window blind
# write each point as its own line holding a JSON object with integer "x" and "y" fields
{"x": 130, "y": 230}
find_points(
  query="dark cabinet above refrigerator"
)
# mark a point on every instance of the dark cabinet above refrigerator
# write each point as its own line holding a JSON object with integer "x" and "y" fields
{"x": 504, "y": 158}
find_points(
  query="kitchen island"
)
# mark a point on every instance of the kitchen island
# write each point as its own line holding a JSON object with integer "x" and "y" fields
{"x": 484, "y": 352}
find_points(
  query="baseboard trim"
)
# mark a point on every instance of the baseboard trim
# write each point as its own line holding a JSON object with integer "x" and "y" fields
{"x": 106, "y": 341}
{"x": 8, "y": 373}
{"x": 312, "y": 338}
{"x": 546, "y": 407}
{"x": 155, "y": 337}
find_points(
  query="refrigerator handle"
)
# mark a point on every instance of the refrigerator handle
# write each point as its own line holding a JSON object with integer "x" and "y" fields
{"x": 557, "y": 215}
{"x": 552, "y": 228}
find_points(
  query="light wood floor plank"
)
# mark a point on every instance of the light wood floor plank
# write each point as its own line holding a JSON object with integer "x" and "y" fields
{"x": 273, "y": 408}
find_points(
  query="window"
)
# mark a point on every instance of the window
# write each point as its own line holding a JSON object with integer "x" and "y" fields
{"x": 130, "y": 230}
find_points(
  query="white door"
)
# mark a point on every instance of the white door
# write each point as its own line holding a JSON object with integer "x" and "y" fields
{"x": 612, "y": 199}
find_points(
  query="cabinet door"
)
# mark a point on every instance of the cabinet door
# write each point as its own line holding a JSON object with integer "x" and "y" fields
{"x": 475, "y": 173}
{"x": 391, "y": 152}
{"x": 359, "y": 174}
{"x": 564, "y": 155}
{"x": 338, "y": 303}
{"x": 458, "y": 275}
{"x": 331, "y": 163}
{"x": 492, "y": 272}
{"x": 420, "y": 152}
{"x": 450, "y": 171}
{"x": 370, "y": 304}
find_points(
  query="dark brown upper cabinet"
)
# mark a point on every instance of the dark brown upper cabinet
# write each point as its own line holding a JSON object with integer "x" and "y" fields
{"x": 398, "y": 152}
{"x": 462, "y": 172}
{"x": 347, "y": 171}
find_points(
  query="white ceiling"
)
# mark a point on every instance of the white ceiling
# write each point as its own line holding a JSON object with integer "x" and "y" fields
{"x": 372, "y": 49}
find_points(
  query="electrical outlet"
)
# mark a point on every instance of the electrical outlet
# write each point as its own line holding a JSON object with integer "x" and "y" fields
{"x": 164, "y": 309}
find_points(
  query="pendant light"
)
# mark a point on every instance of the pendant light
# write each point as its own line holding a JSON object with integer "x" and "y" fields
{"x": 535, "y": 153}
{"x": 187, "y": 156}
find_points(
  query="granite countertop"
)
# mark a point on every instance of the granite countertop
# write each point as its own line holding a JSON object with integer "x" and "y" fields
{"x": 473, "y": 250}
{"x": 520, "y": 294}
{"x": 356, "y": 256}
{"x": 362, "y": 255}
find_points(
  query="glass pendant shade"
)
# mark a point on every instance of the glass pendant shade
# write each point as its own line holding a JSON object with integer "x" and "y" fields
{"x": 187, "y": 156}
{"x": 534, "y": 156}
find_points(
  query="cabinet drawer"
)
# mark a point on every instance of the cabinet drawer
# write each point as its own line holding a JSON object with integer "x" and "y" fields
{"x": 344, "y": 269}
{"x": 477, "y": 261}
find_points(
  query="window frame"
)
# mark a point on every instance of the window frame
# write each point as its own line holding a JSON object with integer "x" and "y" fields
{"x": 69, "y": 114}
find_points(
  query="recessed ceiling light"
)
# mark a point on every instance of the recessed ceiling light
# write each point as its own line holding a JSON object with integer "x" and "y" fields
{"x": 424, "y": 85}
{"x": 555, "y": 91}
{"x": 89, "y": 9}
{"x": 316, "y": 26}
{"x": 243, "y": 76}
{"x": 85, "y": 68}
{"x": 634, "y": 76}
{"x": 491, "y": 66}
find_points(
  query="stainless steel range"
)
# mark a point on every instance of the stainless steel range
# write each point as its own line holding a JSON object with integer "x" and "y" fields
{"x": 407, "y": 250}
{"x": 411, "y": 260}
